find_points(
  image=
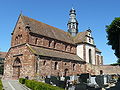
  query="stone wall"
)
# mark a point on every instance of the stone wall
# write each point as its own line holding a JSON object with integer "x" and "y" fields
{"x": 106, "y": 69}
{"x": 26, "y": 60}
{"x": 39, "y": 40}
{"x": 59, "y": 67}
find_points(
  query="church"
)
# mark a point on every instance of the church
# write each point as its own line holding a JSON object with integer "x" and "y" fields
{"x": 38, "y": 49}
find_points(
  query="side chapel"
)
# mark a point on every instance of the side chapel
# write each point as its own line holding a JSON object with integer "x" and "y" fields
{"x": 41, "y": 49}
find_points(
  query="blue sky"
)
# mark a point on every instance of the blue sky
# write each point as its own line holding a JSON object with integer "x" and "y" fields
{"x": 95, "y": 14}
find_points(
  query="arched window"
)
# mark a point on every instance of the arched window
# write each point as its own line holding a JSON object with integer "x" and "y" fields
{"x": 101, "y": 72}
{"x": 66, "y": 72}
{"x": 54, "y": 46}
{"x": 36, "y": 40}
{"x": 36, "y": 66}
{"x": 49, "y": 43}
{"x": 70, "y": 48}
{"x": 65, "y": 64}
{"x": 89, "y": 40}
{"x": 65, "y": 47}
{"x": 73, "y": 67}
{"x": 56, "y": 66}
{"x": 16, "y": 38}
{"x": 90, "y": 57}
{"x": 98, "y": 60}
{"x": 17, "y": 62}
{"x": 44, "y": 62}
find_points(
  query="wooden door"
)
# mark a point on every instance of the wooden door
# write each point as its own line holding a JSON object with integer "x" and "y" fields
{"x": 16, "y": 68}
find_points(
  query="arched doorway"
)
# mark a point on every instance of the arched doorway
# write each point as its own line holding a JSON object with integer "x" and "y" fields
{"x": 16, "y": 68}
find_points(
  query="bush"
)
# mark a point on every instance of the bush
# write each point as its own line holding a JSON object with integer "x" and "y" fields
{"x": 34, "y": 85}
{"x": 22, "y": 80}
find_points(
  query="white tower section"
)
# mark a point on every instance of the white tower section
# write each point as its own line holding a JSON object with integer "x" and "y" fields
{"x": 86, "y": 49}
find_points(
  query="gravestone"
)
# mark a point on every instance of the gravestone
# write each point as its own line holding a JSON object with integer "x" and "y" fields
{"x": 84, "y": 77}
{"x": 100, "y": 80}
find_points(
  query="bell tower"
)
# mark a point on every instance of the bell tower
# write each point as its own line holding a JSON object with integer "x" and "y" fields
{"x": 72, "y": 23}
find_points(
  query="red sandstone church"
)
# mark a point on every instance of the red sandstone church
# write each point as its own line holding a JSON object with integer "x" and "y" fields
{"x": 38, "y": 49}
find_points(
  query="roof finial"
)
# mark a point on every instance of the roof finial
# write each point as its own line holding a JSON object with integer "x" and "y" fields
{"x": 20, "y": 12}
{"x": 88, "y": 28}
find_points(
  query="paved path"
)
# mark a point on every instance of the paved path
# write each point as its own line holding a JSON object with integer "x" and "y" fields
{"x": 13, "y": 85}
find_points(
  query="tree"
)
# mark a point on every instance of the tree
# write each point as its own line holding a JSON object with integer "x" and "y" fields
{"x": 113, "y": 35}
{"x": 118, "y": 61}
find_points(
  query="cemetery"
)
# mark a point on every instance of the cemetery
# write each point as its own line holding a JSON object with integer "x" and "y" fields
{"x": 81, "y": 82}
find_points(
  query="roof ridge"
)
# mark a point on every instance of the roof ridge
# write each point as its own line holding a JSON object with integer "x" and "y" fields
{"x": 44, "y": 23}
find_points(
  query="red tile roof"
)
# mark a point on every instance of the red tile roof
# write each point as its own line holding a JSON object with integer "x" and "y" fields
{"x": 47, "y": 30}
{"x": 53, "y": 53}
{"x": 3, "y": 54}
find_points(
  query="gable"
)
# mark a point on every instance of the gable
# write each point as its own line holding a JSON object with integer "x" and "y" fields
{"x": 19, "y": 35}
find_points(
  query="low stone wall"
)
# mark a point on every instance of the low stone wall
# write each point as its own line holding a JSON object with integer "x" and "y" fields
{"x": 106, "y": 69}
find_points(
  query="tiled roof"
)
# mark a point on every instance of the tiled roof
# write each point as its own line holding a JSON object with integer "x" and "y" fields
{"x": 47, "y": 30}
{"x": 53, "y": 53}
{"x": 3, "y": 54}
{"x": 81, "y": 37}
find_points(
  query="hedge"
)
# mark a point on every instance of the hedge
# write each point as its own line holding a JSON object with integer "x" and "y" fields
{"x": 115, "y": 64}
{"x": 22, "y": 80}
{"x": 1, "y": 86}
{"x": 34, "y": 85}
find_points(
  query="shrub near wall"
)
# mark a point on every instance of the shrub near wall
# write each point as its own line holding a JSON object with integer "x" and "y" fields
{"x": 1, "y": 86}
{"x": 22, "y": 80}
{"x": 34, "y": 85}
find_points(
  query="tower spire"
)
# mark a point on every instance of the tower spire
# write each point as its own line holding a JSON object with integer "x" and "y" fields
{"x": 72, "y": 23}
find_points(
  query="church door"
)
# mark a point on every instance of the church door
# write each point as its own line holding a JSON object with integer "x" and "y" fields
{"x": 16, "y": 68}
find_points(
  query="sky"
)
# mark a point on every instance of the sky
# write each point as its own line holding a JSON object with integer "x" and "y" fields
{"x": 93, "y": 14}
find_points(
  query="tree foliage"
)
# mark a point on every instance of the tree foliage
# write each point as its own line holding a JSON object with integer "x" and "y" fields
{"x": 113, "y": 35}
{"x": 118, "y": 61}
